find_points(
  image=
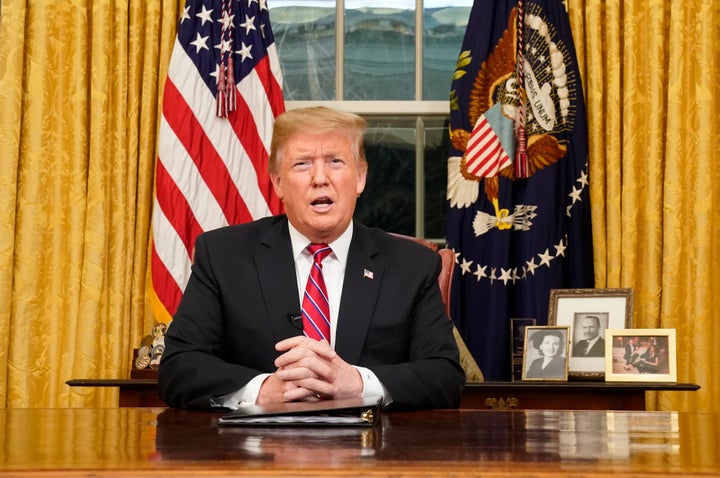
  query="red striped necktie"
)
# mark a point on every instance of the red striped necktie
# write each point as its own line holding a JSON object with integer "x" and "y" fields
{"x": 315, "y": 307}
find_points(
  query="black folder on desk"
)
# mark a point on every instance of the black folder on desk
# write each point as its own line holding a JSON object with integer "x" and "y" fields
{"x": 343, "y": 412}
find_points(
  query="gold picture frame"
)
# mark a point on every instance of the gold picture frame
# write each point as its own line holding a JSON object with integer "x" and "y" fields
{"x": 585, "y": 309}
{"x": 538, "y": 340}
{"x": 653, "y": 360}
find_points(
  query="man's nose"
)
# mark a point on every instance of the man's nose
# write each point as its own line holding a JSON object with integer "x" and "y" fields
{"x": 319, "y": 175}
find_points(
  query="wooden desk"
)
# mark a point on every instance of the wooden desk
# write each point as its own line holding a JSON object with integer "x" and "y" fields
{"x": 496, "y": 395}
{"x": 463, "y": 443}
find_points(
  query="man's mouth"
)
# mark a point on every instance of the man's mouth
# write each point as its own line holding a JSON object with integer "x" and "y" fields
{"x": 322, "y": 203}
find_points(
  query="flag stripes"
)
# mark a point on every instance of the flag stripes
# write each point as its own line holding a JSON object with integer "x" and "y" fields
{"x": 212, "y": 171}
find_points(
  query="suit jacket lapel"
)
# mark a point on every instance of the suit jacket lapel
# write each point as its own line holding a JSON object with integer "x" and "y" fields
{"x": 363, "y": 276}
{"x": 276, "y": 272}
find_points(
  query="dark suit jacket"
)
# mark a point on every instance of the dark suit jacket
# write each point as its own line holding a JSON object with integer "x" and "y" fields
{"x": 243, "y": 290}
{"x": 597, "y": 350}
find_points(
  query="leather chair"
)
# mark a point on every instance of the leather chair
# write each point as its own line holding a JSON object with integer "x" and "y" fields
{"x": 473, "y": 374}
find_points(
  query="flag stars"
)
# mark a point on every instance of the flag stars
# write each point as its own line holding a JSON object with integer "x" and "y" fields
{"x": 185, "y": 14}
{"x": 575, "y": 194}
{"x": 249, "y": 24}
{"x": 216, "y": 74}
{"x": 244, "y": 52}
{"x": 465, "y": 266}
{"x": 545, "y": 258}
{"x": 200, "y": 43}
{"x": 493, "y": 275}
{"x": 224, "y": 46}
{"x": 560, "y": 249}
{"x": 531, "y": 266}
{"x": 480, "y": 272}
{"x": 583, "y": 179}
{"x": 205, "y": 15}
{"x": 505, "y": 275}
{"x": 227, "y": 21}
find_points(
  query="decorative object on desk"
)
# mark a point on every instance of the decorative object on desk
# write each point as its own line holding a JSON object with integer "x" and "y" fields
{"x": 517, "y": 345}
{"x": 640, "y": 355}
{"x": 546, "y": 353}
{"x": 151, "y": 349}
{"x": 588, "y": 313}
{"x": 142, "y": 357}
{"x": 158, "y": 344}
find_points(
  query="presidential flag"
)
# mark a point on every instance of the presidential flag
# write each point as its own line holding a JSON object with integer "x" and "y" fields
{"x": 221, "y": 96}
{"x": 518, "y": 198}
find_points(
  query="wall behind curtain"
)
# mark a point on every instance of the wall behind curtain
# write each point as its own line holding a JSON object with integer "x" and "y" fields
{"x": 651, "y": 70}
{"x": 79, "y": 94}
{"x": 80, "y": 86}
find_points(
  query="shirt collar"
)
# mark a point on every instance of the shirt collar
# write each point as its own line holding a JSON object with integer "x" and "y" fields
{"x": 340, "y": 246}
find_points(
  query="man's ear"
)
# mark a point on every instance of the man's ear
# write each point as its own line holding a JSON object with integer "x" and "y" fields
{"x": 277, "y": 185}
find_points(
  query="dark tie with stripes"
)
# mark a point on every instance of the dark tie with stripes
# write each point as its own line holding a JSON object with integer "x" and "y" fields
{"x": 315, "y": 308}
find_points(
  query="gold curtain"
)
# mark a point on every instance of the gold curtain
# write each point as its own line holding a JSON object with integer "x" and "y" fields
{"x": 651, "y": 73}
{"x": 80, "y": 85}
{"x": 79, "y": 95}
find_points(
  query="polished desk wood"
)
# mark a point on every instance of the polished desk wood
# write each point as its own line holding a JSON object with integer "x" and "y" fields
{"x": 472, "y": 443}
{"x": 579, "y": 395}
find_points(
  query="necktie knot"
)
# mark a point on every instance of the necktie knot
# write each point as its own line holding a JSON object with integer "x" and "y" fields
{"x": 319, "y": 252}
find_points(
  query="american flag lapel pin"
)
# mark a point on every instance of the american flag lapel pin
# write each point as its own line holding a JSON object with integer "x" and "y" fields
{"x": 368, "y": 274}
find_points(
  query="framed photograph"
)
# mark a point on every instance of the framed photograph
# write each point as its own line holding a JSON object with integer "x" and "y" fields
{"x": 640, "y": 355}
{"x": 546, "y": 353}
{"x": 588, "y": 313}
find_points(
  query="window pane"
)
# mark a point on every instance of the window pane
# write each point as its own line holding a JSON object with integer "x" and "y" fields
{"x": 444, "y": 29}
{"x": 388, "y": 201}
{"x": 437, "y": 141}
{"x": 379, "y": 50}
{"x": 305, "y": 39}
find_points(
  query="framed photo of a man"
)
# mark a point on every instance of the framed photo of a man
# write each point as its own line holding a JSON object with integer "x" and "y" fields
{"x": 589, "y": 313}
{"x": 587, "y": 334}
{"x": 545, "y": 355}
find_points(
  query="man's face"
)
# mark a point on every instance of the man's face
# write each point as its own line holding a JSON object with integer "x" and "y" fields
{"x": 319, "y": 181}
{"x": 590, "y": 328}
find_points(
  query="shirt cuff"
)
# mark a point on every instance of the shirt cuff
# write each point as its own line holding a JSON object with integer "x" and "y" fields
{"x": 245, "y": 396}
{"x": 372, "y": 386}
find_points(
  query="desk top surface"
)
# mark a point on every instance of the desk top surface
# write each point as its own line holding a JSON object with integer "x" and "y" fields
{"x": 168, "y": 442}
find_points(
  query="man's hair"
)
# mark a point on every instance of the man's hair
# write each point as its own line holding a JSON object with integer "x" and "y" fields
{"x": 317, "y": 119}
{"x": 597, "y": 319}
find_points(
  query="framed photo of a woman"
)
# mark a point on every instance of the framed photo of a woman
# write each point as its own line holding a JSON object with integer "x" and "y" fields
{"x": 640, "y": 355}
{"x": 546, "y": 353}
{"x": 588, "y": 313}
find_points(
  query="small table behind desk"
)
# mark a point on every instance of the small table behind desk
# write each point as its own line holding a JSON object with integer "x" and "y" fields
{"x": 579, "y": 395}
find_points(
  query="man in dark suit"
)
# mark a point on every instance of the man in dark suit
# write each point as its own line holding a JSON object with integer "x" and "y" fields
{"x": 592, "y": 345}
{"x": 237, "y": 337}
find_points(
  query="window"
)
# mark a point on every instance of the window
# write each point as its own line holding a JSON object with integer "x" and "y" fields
{"x": 392, "y": 65}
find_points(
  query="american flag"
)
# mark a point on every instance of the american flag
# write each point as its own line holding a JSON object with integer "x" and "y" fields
{"x": 222, "y": 94}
